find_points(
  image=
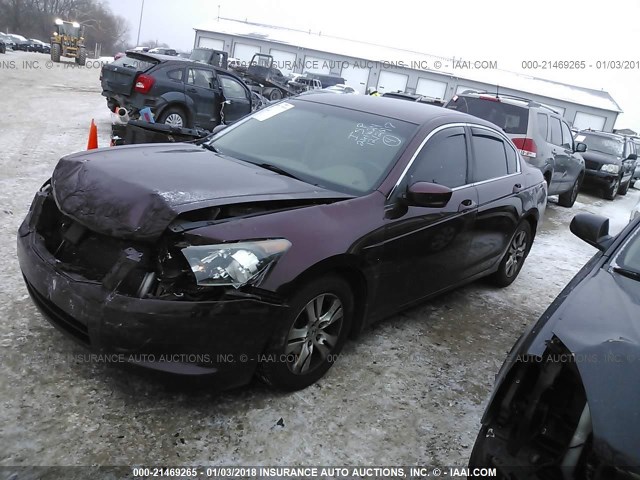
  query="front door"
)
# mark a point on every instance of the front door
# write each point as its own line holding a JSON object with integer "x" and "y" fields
{"x": 237, "y": 99}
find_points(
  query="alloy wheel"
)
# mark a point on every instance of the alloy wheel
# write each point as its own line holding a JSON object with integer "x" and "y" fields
{"x": 174, "y": 119}
{"x": 314, "y": 333}
{"x": 516, "y": 253}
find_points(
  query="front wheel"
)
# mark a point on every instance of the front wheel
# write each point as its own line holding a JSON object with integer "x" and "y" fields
{"x": 81, "y": 59}
{"x": 311, "y": 335}
{"x": 612, "y": 191}
{"x": 624, "y": 188}
{"x": 56, "y": 52}
{"x": 515, "y": 256}
{"x": 567, "y": 199}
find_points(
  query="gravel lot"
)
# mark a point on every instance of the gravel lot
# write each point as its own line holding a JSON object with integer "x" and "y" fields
{"x": 411, "y": 391}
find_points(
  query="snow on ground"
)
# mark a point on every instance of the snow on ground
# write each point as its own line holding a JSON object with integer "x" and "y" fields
{"x": 410, "y": 391}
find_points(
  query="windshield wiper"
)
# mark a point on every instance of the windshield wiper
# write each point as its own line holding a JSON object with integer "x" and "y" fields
{"x": 627, "y": 273}
{"x": 210, "y": 147}
{"x": 276, "y": 169}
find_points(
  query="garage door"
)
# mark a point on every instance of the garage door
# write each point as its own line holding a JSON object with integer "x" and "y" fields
{"x": 587, "y": 120}
{"x": 317, "y": 65}
{"x": 392, "y": 82}
{"x": 356, "y": 77}
{"x": 431, "y": 88}
{"x": 245, "y": 51}
{"x": 214, "y": 43}
{"x": 285, "y": 61}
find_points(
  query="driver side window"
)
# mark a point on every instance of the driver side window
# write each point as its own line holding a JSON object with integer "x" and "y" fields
{"x": 442, "y": 160}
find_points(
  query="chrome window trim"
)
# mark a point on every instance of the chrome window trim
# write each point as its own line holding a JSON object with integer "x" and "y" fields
{"x": 453, "y": 125}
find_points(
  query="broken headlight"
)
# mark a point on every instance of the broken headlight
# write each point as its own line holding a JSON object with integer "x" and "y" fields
{"x": 233, "y": 264}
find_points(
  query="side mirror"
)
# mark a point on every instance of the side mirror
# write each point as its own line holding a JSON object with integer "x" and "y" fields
{"x": 218, "y": 129}
{"x": 632, "y": 156}
{"x": 581, "y": 147}
{"x": 593, "y": 229}
{"x": 431, "y": 195}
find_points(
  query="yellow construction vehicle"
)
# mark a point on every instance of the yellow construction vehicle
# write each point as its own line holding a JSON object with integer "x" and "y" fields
{"x": 68, "y": 41}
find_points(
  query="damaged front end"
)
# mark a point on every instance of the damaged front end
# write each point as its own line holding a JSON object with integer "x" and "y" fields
{"x": 153, "y": 300}
{"x": 539, "y": 424}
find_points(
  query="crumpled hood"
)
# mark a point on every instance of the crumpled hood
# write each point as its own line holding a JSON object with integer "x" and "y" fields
{"x": 600, "y": 323}
{"x": 137, "y": 191}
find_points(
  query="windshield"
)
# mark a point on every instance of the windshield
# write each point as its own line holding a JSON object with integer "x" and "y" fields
{"x": 69, "y": 29}
{"x": 629, "y": 256}
{"x": 608, "y": 145}
{"x": 510, "y": 118}
{"x": 336, "y": 148}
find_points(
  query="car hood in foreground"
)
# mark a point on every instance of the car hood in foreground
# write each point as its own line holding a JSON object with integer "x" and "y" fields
{"x": 599, "y": 321}
{"x": 137, "y": 191}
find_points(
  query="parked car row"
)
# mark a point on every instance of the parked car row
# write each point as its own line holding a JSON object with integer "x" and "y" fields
{"x": 18, "y": 42}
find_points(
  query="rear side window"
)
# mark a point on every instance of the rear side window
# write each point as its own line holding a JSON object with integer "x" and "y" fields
{"x": 543, "y": 125}
{"x": 556, "y": 131}
{"x": 201, "y": 77}
{"x": 567, "y": 139}
{"x": 512, "y": 159}
{"x": 490, "y": 156}
{"x": 443, "y": 160}
{"x": 176, "y": 74}
{"x": 510, "y": 118}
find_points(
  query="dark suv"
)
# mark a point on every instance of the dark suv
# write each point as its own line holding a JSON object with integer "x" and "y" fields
{"x": 610, "y": 161}
{"x": 542, "y": 136}
{"x": 178, "y": 91}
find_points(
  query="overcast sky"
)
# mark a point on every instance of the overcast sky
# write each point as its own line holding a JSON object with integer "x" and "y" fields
{"x": 509, "y": 32}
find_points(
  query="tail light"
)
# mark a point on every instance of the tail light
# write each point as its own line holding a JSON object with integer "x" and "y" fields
{"x": 526, "y": 146}
{"x": 144, "y": 83}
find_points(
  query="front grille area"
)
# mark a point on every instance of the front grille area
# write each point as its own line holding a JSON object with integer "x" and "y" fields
{"x": 80, "y": 250}
{"x": 591, "y": 165}
{"x": 59, "y": 317}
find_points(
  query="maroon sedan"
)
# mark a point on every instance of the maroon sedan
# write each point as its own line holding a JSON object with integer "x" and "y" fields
{"x": 263, "y": 249}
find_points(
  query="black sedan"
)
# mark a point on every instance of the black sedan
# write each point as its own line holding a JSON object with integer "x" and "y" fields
{"x": 263, "y": 249}
{"x": 565, "y": 403}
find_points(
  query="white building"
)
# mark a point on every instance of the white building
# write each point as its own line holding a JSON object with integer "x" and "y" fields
{"x": 365, "y": 65}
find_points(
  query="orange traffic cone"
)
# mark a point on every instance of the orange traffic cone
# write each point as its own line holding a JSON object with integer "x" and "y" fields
{"x": 93, "y": 136}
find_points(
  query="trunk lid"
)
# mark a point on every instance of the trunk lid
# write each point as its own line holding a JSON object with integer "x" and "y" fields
{"x": 119, "y": 76}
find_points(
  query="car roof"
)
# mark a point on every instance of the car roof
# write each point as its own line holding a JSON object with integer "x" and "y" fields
{"x": 600, "y": 133}
{"x": 509, "y": 99}
{"x": 413, "y": 112}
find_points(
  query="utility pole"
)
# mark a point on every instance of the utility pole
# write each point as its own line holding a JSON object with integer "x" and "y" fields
{"x": 140, "y": 24}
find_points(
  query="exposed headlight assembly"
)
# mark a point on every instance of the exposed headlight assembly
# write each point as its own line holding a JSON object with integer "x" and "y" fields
{"x": 233, "y": 264}
{"x": 610, "y": 168}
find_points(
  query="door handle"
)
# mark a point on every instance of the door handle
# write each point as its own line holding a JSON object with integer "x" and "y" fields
{"x": 192, "y": 90}
{"x": 517, "y": 188}
{"x": 467, "y": 205}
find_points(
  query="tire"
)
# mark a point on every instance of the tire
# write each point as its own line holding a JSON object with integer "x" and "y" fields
{"x": 81, "y": 59}
{"x": 517, "y": 252}
{"x": 567, "y": 199}
{"x": 282, "y": 367}
{"x": 624, "y": 188}
{"x": 612, "y": 191}
{"x": 56, "y": 51}
{"x": 633, "y": 183}
{"x": 275, "y": 94}
{"x": 175, "y": 116}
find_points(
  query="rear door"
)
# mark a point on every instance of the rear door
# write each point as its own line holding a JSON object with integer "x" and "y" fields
{"x": 202, "y": 87}
{"x": 237, "y": 98}
{"x": 496, "y": 174}
{"x": 561, "y": 157}
{"x": 575, "y": 162}
{"x": 118, "y": 77}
